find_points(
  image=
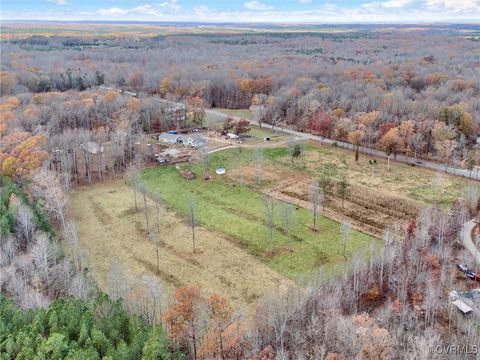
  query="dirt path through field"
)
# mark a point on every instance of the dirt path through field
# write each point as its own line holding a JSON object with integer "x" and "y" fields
{"x": 111, "y": 230}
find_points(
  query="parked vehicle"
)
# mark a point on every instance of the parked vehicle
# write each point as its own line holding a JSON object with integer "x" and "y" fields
{"x": 462, "y": 267}
{"x": 468, "y": 273}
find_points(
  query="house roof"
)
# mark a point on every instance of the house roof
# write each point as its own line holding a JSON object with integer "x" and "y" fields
{"x": 197, "y": 140}
{"x": 164, "y": 137}
{"x": 464, "y": 308}
{"x": 92, "y": 147}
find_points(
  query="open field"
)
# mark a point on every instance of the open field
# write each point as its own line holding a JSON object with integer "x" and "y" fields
{"x": 414, "y": 183}
{"x": 111, "y": 230}
{"x": 377, "y": 197}
{"x": 236, "y": 210}
{"x": 243, "y": 113}
{"x": 426, "y": 187}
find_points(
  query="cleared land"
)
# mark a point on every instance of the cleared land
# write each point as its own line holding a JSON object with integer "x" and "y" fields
{"x": 377, "y": 196}
{"x": 234, "y": 257}
{"x": 237, "y": 211}
{"x": 111, "y": 230}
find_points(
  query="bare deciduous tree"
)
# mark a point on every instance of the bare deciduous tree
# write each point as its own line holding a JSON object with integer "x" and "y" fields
{"x": 191, "y": 209}
{"x": 316, "y": 197}
{"x": 46, "y": 186}
{"x": 345, "y": 232}
{"x": 287, "y": 213}
{"x": 258, "y": 159}
{"x": 269, "y": 210}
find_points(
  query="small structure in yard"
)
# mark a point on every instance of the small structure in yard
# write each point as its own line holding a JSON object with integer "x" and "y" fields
{"x": 188, "y": 174}
{"x": 92, "y": 148}
{"x": 464, "y": 308}
{"x": 220, "y": 171}
{"x": 466, "y": 301}
{"x": 207, "y": 175}
{"x": 231, "y": 136}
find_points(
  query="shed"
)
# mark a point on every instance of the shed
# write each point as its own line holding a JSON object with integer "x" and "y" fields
{"x": 220, "y": 171}
{"x": 92, "y": 148}
{"x": 464, "y": 308}
{"x": 232, "y": 136}
{"x": 188, "y": 174}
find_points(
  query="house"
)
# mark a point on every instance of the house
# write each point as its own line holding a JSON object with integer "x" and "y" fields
{"x": 170, "y": 138}
{"x": 92, "y": 148}
{"x": 195, "y": 141}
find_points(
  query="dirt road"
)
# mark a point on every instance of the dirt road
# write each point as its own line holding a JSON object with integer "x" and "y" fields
{"x": 466, "y": 236}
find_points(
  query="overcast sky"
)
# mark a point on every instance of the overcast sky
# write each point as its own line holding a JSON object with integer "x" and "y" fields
{"x": 290, "y": 11}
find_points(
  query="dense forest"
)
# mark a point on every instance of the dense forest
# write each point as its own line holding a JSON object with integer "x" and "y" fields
{"x": 353, "y": 86}
{"x": 78, "y": 329}
{"x": 410, "y": 91}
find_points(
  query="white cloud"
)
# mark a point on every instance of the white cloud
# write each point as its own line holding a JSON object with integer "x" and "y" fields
{"x": 372, "y": 11}
{"x": 454, "y": 5}
{"x": 256, "y": 5}
{"x": 171, "y": 4}
{"x": 58, "y": 2}
{"x": 378, "y": 6}
{"x": 202, "y": 10}
{"x": 397, "y": 3}
{"x": 141, "y": 11}
{"x": 113, "y": 11}
{"x": 305, "y": 1}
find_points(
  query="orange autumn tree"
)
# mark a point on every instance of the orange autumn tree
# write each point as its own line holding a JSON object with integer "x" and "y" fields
{"x": 23, "y": 153}
{"x": 356, "y": 138}
{"x": 224, "y": 332}
{"x": 185, "y": 318}
{"x": 390, "y": 143}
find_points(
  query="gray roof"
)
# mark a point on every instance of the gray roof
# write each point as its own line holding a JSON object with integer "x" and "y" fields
{"x": 169, "y": 138}
{"x": 92, "y": 147}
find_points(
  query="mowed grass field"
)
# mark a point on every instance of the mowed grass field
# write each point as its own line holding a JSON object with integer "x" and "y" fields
{"x": 112, "y": 231}
{"x": 237, "y": 211}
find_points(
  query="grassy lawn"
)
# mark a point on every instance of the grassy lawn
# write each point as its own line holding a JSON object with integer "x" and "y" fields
{"x": 243, "y": 113}
{"x": 259, "y": 134}
{"x": 237, "y": 211}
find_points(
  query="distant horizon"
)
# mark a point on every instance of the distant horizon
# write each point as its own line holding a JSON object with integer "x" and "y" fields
{"x": 247, "y": 11}
{"x": 236, "y": 23}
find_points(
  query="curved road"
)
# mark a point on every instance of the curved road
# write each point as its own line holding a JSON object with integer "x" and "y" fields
{"x": 373, "y": 152}
{"x": 466, "y": 236}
